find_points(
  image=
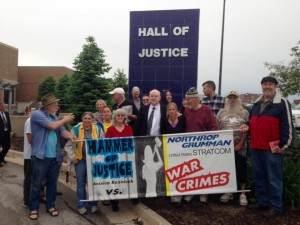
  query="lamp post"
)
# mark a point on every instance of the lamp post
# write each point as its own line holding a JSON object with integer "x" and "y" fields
{"x": 221, "y": 56}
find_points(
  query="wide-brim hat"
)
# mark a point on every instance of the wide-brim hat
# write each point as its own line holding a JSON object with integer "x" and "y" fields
{"x": 48, "y": 99}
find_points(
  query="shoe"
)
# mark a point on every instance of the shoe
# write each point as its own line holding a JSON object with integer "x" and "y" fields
{"x": 105, "y": 202}
{"x": 271, "y": 213}
{"x": 1, "y": 164}
{"x": 188, "y": 198}
{"x": 42, "y": 200}
{"x": 176, "y": 204}
{"x": 94, "y": 209}
{"x": 203, "y": 198}
{"x": 226, "y": 197}
{"x": 135, "y": 201}
{"x": 258, "y": 207}
{"x": 243, "y": 200}
{"x": 82, "y": 211}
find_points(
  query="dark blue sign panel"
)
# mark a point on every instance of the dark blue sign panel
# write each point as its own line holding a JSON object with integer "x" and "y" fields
{"x": 164, "y": 51}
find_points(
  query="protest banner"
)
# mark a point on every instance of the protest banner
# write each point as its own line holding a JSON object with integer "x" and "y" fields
{"x": 166, "y": 165}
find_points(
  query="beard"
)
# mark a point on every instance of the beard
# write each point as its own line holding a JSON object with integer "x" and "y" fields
{"x": 233, "y": 108}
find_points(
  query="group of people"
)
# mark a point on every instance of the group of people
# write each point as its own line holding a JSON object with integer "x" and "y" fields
{"x": 156, "y": 114}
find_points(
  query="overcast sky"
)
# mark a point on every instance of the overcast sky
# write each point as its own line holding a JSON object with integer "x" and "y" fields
{"x": 52, "y": 32}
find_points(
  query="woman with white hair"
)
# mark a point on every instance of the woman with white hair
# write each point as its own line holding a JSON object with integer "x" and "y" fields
{"x": 118, "y": 129}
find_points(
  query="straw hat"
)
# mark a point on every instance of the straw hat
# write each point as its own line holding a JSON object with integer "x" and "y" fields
{"x": 48, "y": 99}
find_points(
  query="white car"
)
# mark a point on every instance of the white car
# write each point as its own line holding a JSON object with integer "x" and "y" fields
{"x": 296, "y": 118}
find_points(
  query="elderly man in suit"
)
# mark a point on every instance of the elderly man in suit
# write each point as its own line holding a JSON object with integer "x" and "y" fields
{"x": 151, "y": 117}
{"x": 5, "y": 129}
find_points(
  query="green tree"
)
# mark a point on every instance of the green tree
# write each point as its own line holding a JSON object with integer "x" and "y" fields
{"x": 120, "y": 80}
{"x": 47, "y": 86}
{"x": 88, "y": 84}
{"x": 288, "y": 76}
{"x": 61, "y": 91}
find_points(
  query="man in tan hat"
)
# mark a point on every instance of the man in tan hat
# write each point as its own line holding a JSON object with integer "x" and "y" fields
{"x": 46, "y": 153}
{"x": 231, "y": 118}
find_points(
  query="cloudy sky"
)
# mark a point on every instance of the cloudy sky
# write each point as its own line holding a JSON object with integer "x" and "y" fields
{"x": 52, "y": 32}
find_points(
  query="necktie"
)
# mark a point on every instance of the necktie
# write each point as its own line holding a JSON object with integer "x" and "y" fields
{"x": 150, "y": 120}
{"x": 4, "y": 120}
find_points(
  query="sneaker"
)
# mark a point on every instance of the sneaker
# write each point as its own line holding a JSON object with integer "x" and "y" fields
{"x": 243, "y": 200}
{"x": 82, "y": 211}
{"x": 226, "y": 197}
{"x": 188, "y": 198}
{"x": 94, "y": 209}
{"x": 203, "y": 198}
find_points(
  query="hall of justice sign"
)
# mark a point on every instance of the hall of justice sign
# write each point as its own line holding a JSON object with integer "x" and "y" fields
{"x": 167, "y": 165}
{"x": 161, "y": 32}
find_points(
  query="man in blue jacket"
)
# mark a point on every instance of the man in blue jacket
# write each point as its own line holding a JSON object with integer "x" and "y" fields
{"x": 271, "y": 134}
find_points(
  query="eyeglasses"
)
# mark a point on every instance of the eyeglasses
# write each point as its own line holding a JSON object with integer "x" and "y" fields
{"x": 121, "y": 115}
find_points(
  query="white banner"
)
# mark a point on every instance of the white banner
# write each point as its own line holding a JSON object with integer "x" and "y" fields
{"x": 167, "y": 165}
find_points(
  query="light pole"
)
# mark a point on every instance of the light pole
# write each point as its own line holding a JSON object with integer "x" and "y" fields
{"x": 221, "y": 56}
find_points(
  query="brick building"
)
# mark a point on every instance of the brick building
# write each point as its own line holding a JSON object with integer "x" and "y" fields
{"x": 19, "y": 84}
{"x": 29, "y": 78}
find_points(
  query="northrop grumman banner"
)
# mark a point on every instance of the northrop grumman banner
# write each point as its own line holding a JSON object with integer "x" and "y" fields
{"x": 167, "y": 165}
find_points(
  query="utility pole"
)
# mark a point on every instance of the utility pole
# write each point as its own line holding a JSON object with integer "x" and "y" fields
{"x": 221, "y": 56}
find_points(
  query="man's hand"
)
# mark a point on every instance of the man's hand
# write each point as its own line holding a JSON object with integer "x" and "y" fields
{"x": 68, "y": 117}
{"x": 244, "y": 128}
{"x": 277, "y": 150}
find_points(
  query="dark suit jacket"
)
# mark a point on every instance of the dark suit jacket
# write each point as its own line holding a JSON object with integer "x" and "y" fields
{"x": 2, "y": 123}
{"x": 141, "y": 123}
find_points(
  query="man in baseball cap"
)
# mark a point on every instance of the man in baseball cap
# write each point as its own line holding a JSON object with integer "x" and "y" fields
{"x": 271, "y": 134}
{"x": 269, "y": 79}
{"x": 117, "y": 90}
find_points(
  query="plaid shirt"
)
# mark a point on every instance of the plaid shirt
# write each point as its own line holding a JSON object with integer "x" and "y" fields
{"x": 216, "y": 103}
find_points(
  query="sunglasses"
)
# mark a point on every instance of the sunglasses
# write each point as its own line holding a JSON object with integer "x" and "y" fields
{"x": 146, "y": 99}
{"x": 121, "y": 115}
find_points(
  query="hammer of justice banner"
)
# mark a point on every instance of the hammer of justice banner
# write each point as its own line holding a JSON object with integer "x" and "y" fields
{"x": 166, "y": 165}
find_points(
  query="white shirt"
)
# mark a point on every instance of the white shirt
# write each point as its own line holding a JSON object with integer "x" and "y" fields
{"x": 27, "y": 146}
{"x": 155, "y": 130}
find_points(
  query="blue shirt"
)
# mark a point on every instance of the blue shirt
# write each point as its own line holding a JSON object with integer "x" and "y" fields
{"x": 216, "y": 103}
{"x": 40, "y": 133}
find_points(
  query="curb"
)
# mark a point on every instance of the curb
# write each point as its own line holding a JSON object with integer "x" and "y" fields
{"x": 128, "y": 214}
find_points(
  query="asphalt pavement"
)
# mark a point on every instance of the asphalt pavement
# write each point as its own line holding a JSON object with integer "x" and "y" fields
{"x": 12, "y": 210}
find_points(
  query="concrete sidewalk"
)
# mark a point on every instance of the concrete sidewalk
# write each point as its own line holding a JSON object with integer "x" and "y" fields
{"x": 128, "y": 213}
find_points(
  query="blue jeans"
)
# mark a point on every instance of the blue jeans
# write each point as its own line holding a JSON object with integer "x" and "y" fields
{"x": 43, "y": 168}
{"x": 81, "y": 177}
{"x": 267, "y": 172}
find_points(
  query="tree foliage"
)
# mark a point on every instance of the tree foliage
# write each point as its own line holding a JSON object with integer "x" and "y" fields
{"x": 47, "y": 86}
{"x": 288, "y": 76}
{"x": 120, "y": 80}
{"x": 61, "y": 91}
{"x": 87, "y": 84}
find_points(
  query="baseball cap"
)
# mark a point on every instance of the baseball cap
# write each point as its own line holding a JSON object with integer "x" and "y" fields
{"x": 270, "y": 79}
{"x": 117, "y": 90}
{"x": 235, "y": 93}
